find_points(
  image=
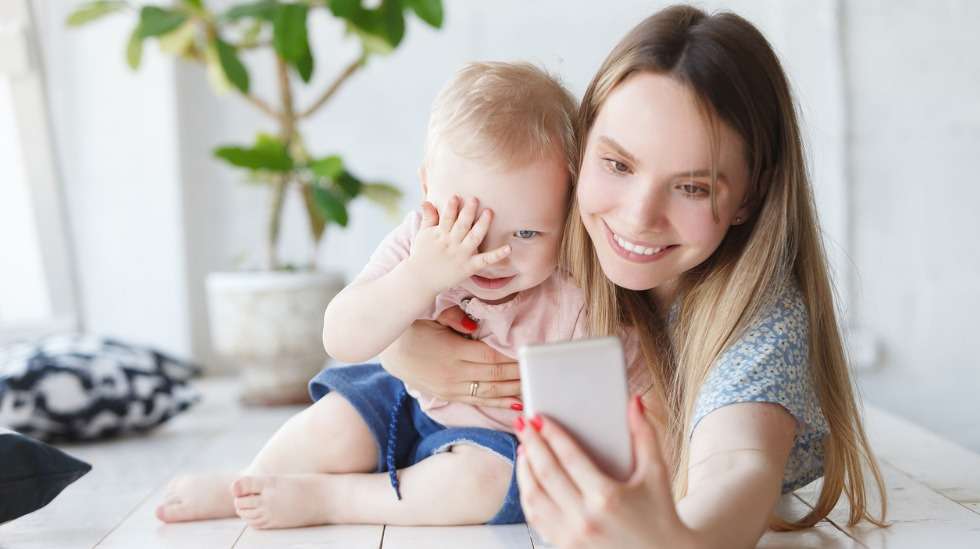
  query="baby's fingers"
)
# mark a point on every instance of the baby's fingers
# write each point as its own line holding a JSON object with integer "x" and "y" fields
{"x": 465, "y": 219}
{"x": 480, "y": 261}
{"x": 448, "y": 215}
{"x": 430, "y": 215}
{"x": 479, "y": 230}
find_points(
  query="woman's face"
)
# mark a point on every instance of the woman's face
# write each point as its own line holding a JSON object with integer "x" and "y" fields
{"x": 644, "y": 190}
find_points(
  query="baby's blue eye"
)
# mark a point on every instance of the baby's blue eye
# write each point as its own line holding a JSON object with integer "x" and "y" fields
{"x": 526, "y": 234}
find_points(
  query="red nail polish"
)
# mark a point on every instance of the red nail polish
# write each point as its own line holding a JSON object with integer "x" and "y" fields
{"x": 469, "y": 324}
{"x": 537, "y": 422}
{"x": 639, "y": 402}
{"x": 519, "y": 424}
{"x": 517, "y": 406}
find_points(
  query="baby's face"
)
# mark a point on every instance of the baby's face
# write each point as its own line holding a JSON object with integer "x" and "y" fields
{"x": 529, "y": 206}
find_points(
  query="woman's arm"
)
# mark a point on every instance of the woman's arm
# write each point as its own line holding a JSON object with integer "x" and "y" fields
{"x": 433, "y": 358}
{"x": 738, "y": 455}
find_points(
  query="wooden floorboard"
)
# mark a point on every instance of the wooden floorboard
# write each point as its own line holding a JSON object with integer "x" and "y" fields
{"x": 934, "y": 494}
{"x": 510, "y": 536}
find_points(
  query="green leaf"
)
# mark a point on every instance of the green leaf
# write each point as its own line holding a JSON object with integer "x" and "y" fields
{"x": 317, "y": 221}
{"x": 371, "y": 43}
{"x": 268, "y": 154}
{"x": 216, "y": 75}
{"x": 291, "y": 39}
{"x": 134, "y": 49}
{"x": 290, "y": 31}
{"x": 350, "y": 185}
{"x": 155, "y": 21}
{"x": 384, "y": 195}
{"x": 329, "y": 167}
{"x": 331, "y": 205}
{"x": 345, "y": 9}
{"x": 194, "y": 3}
{"x": 179, "y": 41}
{"x": 394, "y": 21}
{"x": 94, "y": 10}
{"x": 264, "y": 9}
{"x": 232, "y": 66}
{"x": 304, "y": 65}
{"x": 429, "y": 11}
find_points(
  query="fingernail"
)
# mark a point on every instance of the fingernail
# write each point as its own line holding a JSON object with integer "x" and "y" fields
{"x": 469, "y": 324}
{"x": 639, "y": 402}
{"x": 517, "y": 406}
{"x": 537, "y": 422}
{"x": 519, "y": 424}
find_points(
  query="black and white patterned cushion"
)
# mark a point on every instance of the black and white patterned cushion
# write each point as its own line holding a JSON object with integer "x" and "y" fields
{"x": 80, "y": 387}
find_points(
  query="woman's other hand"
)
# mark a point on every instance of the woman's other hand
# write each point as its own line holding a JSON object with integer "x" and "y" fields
{"x": 572, "y": 503}
{"x": 433, "y": 358}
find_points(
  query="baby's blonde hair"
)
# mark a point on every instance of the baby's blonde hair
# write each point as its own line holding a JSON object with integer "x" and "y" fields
{"x": 507, "y": 113}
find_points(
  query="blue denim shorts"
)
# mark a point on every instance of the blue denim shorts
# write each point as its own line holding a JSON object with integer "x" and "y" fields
{"x": 404, "y": 433}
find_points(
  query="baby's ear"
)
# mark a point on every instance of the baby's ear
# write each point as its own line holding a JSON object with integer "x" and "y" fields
{"x": 422, "y": 180}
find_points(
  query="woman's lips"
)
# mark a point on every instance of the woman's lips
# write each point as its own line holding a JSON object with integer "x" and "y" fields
{"x": 631, "y": 255}
{"x": 491, "y": 283}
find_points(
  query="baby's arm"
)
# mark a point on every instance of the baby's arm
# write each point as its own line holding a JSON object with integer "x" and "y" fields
{"x": 368, "y": 316}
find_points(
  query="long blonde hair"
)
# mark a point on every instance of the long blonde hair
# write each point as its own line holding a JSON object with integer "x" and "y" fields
{"x": 738, "y": 81}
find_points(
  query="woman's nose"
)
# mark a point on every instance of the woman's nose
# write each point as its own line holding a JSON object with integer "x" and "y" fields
{"x": 647, "y": 208}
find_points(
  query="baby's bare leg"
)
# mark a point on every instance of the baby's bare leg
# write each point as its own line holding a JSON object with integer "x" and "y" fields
{"x": 327, "y": 437}
{"x": 464, "y": 486}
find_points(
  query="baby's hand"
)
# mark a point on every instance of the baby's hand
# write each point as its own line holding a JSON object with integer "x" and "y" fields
{"x": 444, "y": 252}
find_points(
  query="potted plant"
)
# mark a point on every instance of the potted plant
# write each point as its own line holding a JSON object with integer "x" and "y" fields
{"x": 268, "y": 321}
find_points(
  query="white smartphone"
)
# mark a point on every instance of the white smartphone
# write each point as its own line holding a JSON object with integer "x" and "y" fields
{"x": 582, "y": 385}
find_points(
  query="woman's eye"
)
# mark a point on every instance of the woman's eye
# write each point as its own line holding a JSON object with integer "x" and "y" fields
{"x": 616, "y": 166}
{"x": 526, "y": 234}
{"x": 692, "y": 190}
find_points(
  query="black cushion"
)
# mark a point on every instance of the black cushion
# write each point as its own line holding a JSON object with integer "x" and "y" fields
{"x": 32, "y": 474}
{"x": 77, "y": 387}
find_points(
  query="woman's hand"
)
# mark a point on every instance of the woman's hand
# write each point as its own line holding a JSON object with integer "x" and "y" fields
{"x": 433, "y": 358}
{"x": 570, "y": 502}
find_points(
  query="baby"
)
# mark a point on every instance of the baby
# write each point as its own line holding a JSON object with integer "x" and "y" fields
{"x": 498, "y": 162}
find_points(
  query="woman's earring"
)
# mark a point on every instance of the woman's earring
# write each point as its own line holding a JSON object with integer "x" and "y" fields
{"x": 738, "y": 220}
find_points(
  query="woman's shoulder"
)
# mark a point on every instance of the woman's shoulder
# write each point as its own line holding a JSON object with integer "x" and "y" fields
{"x": 769, "y": 362}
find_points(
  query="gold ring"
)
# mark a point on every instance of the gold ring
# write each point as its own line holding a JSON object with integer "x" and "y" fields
{"x": 473, "y": 388}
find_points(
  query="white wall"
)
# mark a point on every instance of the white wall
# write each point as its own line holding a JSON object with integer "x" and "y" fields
{"x": 914, "y": 86}
{"x": 116, "y": 139}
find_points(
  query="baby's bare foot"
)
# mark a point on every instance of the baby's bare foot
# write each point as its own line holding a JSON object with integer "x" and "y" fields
{"x": 282, "y": 501}
{"x": 198, "y": 497}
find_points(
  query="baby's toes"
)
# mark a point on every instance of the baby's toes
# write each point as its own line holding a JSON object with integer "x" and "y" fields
{"x": 247, "y": 486}
{"x": 247, "y": 503}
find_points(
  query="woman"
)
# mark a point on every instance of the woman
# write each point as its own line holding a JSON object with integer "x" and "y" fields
{"x": 694, "y": 230}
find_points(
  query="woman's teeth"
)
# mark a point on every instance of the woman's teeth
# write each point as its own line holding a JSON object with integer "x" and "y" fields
{"x": 643, "y": 250}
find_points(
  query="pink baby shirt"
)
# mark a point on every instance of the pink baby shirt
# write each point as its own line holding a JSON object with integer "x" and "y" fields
{"x": 550, "y": 312}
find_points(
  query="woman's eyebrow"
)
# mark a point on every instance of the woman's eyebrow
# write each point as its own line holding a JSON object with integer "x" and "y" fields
{"x": 703, "y": 172}
{"x": 620, "y": 150}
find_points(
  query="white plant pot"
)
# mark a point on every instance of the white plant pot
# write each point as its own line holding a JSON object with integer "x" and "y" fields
{"x": 268, "y": 325}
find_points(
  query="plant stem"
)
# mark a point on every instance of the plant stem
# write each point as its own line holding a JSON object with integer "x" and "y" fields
{"x": 335, "y": 85}
{"x": 262, "y": 106}
{"x": 287, "y": 124}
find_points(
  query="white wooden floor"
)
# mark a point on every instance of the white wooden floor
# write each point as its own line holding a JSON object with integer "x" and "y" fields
{"x": 934, "y": 490}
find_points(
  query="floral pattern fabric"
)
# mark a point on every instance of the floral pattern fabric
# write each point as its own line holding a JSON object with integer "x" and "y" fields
{"x": 770, "y": 363}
